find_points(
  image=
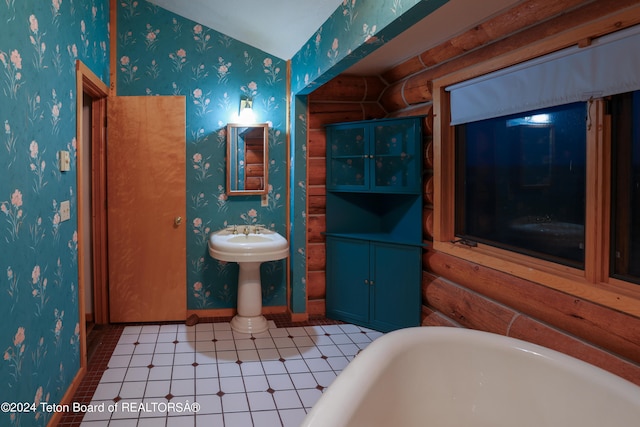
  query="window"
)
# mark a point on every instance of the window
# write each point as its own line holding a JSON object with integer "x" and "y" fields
{"x": 520, "y": 183}
{"x": 537, "y": 167}
{"x": 625, "y": 209}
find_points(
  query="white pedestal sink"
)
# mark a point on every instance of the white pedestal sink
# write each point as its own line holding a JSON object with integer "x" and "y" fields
{"x": 249, "y": 246}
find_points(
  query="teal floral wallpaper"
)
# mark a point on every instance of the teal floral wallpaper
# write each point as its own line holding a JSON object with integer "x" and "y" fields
{"x": 355, "y": 29}
{"x": 40, "y": 42}
{"x": 160, "y": 53}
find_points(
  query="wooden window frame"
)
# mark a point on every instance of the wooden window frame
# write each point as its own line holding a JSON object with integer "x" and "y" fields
{"x": 593, "y": 283}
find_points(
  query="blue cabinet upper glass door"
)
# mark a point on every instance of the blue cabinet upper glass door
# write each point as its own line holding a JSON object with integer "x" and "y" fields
{"x": 376, "y": 156}
{"x": 396, "y": 155}
{"x": 348, "y": 159}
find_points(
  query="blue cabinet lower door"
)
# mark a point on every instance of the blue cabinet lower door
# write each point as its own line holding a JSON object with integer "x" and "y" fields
{"x": 373, "y": 284}
{"x": 348, "y": 280}
{"x": 395, "y": 299}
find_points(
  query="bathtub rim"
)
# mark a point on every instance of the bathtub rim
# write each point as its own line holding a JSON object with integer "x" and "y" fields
{"x": 333, "y": 406}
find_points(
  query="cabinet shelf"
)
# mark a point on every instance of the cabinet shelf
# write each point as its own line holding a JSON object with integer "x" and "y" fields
{"x": 379, "y": 237}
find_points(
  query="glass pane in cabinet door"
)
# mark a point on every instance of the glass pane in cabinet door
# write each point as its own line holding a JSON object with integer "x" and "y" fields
{"x": 348, "y": 142}
{"x": 347, "y": 165}
{"x": 347, "y": 171}
{"x": 396, "y": 160}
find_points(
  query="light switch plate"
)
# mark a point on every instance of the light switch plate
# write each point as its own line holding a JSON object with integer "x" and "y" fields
{"x": 65, "y": 161}
{"x": 65, "y": 211}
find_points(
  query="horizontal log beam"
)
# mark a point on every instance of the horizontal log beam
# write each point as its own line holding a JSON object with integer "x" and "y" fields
{"x": 316, "y": 225}
{"x": 530, "y": 330}
{"x": 602, "y": 326}
{"x": 317, "y": 143}
{"x": 316, "y": 288}
{"x": 316, "y": 256}
{"x": 317, "y": 199}
{"x": 317, "y": 171}
{"x": 521, "y": 16}
{"x": 352, "y": 88}
{"x": 467, "y": 308}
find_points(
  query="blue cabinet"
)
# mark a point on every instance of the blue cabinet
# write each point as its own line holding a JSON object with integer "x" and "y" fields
{"x": 374, "y": 223}
{"x": 377, "y": 156}
{"x": 373, "y": 284}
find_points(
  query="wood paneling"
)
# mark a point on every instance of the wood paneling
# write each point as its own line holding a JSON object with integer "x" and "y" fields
{"x": 342, "y": 113}
{"x": 317, "y": 199}
{"x": 468, "y": 309}
{"x": 417, "y": 91}
{"x": 316, "y": 307}
{"x": 317, "y": 171}
{"x": 428, "y": 191}
{"x": 592, "y": 322}
{"x": 317, "y": 143}
{"x": 316, "y": 225}
{"x": 392, "y": 98}
{"x": 536, "y": 332}
{"x": 316, "y": 288}
{"x": 433, "y": 318}
{"x": 349, "y": 88}
{"x": 520, "y": 17}
{"x": 449, "y": 304}
{"x": 316, "y": 257}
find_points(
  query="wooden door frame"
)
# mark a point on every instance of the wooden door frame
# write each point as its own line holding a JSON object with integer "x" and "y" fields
{"x": 88, "y": 83}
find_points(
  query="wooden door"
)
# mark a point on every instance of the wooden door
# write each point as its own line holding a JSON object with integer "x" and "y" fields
{"x": 146, "y": 205}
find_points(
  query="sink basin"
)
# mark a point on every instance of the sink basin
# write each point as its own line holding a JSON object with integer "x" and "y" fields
{"x": 259, "y": 245}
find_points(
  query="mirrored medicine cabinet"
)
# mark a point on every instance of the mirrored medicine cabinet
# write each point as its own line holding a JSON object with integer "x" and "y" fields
{"x": 247, "y": 159}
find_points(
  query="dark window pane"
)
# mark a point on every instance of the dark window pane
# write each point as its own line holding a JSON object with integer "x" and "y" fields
{"x": 625, "y": 242}
{"x": 521, "y": 182}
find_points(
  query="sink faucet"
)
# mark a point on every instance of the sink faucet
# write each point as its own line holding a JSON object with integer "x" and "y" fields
{"x": 235, "y": 229}
{"x": 246, "y": 230}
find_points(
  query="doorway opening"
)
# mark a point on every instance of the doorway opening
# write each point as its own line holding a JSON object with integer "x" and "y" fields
{"x": 91, "y": 138}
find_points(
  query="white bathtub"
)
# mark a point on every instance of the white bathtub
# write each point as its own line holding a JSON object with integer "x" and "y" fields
{"x": 450, "y": 377}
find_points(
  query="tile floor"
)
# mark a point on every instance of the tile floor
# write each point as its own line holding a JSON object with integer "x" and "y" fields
{"x": 208, "y": 375}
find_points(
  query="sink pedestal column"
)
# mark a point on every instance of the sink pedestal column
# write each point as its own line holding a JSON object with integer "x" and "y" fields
{"x": 249, "y": 319}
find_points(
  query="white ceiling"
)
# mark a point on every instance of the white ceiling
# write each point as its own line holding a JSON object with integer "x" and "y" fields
{"x": 282, "y": 27}
{"x": 278, "y": 27}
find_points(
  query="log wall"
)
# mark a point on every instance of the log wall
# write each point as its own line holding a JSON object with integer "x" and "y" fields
{"x": 344, "y": 99}
{"x": 459, "y": 293}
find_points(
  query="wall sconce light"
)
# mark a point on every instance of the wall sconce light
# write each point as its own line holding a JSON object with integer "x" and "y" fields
{"x": 247, "y": 114}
